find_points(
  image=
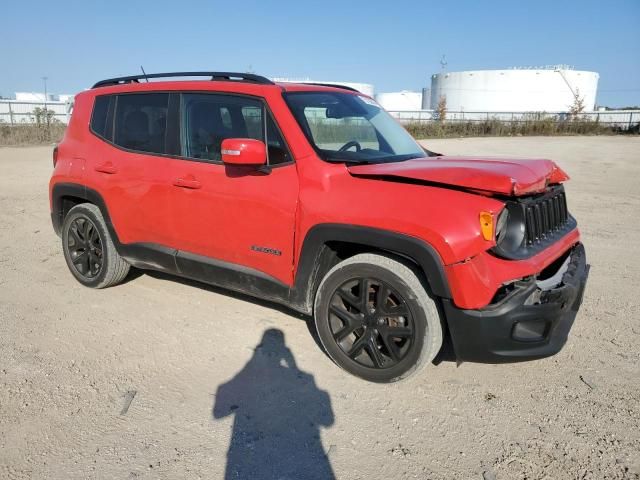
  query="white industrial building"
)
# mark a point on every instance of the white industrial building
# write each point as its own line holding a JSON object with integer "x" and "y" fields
{"x": 546, "y": 89}
{"x": 40, "y": 97}
{"x": 21, "y": 108}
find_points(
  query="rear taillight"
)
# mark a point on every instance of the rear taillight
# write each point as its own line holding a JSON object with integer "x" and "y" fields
{"x": 55, "y": 156}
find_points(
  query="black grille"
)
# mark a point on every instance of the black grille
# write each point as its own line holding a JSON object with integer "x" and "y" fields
{"x": 545, "y": 216}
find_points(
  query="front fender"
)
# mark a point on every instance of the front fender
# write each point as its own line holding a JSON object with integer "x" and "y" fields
{"x": 311, "y": 259}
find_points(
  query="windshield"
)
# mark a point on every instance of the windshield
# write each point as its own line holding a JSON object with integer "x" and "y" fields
{"x": 351, "y": 128}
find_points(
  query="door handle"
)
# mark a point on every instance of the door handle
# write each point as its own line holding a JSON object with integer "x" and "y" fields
{"x": 106, "y": 167}
{"x": 187, "y": 182}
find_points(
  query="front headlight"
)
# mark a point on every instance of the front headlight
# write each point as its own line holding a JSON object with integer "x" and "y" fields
{"x": 510, "y": 229}
{"x": 501, "y": 224}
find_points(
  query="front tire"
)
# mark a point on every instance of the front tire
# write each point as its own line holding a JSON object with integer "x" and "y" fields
{"x": 375, "y": 319}
{"x": 88, "y": 249}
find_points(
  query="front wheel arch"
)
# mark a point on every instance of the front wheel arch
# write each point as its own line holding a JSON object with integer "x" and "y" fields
{"x": 321, "y": 250}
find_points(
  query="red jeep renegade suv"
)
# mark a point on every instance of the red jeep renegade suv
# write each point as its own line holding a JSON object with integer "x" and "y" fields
{"x": 312, "y": 196}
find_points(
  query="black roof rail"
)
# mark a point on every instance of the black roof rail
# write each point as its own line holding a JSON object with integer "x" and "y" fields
{"x": 215, "y": 76}
{"x": 334, "y": 85}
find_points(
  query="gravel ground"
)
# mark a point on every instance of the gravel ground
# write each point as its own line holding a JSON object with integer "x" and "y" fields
{"x": 162, "y": 378}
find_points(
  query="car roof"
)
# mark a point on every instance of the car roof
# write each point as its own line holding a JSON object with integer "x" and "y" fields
{"x": 315, "y": 87}
{"x": 217, "y": 85}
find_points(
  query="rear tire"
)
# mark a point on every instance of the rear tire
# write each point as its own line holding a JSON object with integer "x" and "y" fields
{"x": 375, "y": 319}
{"x": 88, "y": 249}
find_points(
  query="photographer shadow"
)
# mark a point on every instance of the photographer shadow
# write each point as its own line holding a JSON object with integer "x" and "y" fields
{"x": 278, "y": 413}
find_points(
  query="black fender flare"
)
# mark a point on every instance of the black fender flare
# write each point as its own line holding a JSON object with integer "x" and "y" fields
{"x": 314, "y": 246}
{"x": 76, "y": 190}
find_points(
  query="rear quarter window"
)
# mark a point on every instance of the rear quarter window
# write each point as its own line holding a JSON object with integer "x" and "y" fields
{"x": 99, "y": 116}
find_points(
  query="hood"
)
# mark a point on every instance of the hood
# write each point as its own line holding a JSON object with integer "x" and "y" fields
{"x": 495, "y": 175}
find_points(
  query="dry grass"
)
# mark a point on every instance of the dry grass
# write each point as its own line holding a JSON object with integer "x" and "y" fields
{"x": 497, "y": 128}
{"x": 31, "y": 134}
{"x": 42, "y": 134}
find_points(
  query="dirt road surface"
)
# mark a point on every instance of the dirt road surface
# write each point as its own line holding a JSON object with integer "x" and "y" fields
{"x": 161, "y": 378}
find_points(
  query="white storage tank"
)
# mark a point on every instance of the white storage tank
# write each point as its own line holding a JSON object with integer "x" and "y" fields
{"x": 405, "y": 100}
{"x": 546, "y": 89}
{"x": 426, "y": 98}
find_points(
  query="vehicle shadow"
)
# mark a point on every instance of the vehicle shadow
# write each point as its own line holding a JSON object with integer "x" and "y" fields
{"x": 135, "y": 273}
{"x": 446, "y": 354}
{"x": 278, "y": 412}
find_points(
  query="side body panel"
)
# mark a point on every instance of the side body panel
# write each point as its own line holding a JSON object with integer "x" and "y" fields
{"x": 238, "y": 215}
{"x": 315, "y": 257}
{"x": 137, "y": 192}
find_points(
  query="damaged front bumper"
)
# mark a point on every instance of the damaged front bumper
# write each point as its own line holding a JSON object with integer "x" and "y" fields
{"x": 532, "y": 321}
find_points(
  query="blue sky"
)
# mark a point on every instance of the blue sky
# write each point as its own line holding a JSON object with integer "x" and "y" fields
{"x": 393, "y": 44}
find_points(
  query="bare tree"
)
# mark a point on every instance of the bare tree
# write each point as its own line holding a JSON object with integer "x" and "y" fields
{"x": 442, "y": 108}
{"x": 43, "y": 117}
{"x": 577, "y": 106}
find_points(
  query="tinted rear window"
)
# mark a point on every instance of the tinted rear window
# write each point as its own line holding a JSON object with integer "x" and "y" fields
{"x": 99, "y": 116}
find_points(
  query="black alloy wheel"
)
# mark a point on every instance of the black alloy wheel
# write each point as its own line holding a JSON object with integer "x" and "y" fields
{"x": 88, "y": 249}
{"x": 371, "y": 323}
{"x": 85, "y": 247}
{"x": 375, "y": 319}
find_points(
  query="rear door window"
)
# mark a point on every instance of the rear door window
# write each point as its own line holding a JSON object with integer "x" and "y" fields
{"x": 141, "y": 122}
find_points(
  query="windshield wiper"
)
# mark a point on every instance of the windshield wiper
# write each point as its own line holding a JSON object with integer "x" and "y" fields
{"x": 372, "y": 161}
{"x": 430, "y": 153}
{"x": 357, "y": 161}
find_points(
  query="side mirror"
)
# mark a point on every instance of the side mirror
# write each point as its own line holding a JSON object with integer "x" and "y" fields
{"x": 243, "y": 151}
